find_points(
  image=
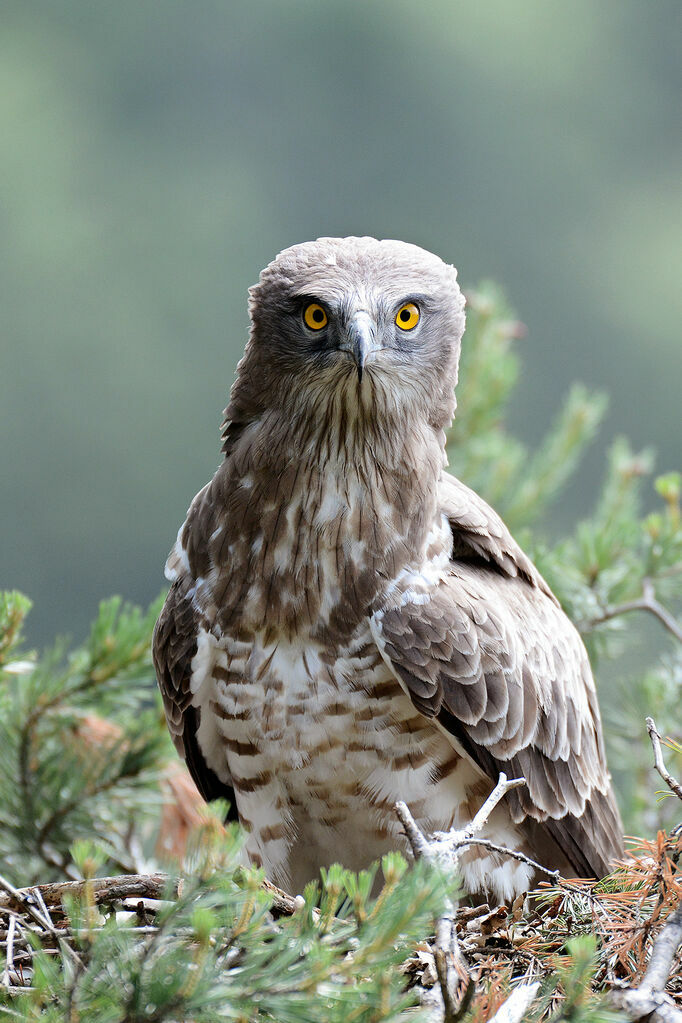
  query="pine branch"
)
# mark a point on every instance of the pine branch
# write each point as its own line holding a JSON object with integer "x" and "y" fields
{"x": 647, "y": 602}
{"x": 442, "y": 850}
{"x": 174, "y": 957}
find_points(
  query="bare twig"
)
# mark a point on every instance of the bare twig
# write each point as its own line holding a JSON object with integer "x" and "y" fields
{"x": 446, "y": 952}
{"x": 104, "y": 889}
{"x": 7, "y": 973}
{"x": 36, "y": 893}
{"x": 421, "y": 847}
{"x": 516, "y": 1006}
{"x": 23, "y": 898}
{"x": 647, "y": 602}
{"x": 655, "y": 737}
{"x": 443, "y": 849}
{"x": 504, "y": 785}
{"x": 451, "y": 967}
{"x": 649, "y": 1001}
{"x": 663, "y": 952}
{"x": 418, "y": 843}
{"x": 514, "y": 854}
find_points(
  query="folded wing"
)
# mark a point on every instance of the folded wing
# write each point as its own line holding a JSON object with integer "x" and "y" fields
{"x": 490, "y": 654}
{"x": 174, "y": 647}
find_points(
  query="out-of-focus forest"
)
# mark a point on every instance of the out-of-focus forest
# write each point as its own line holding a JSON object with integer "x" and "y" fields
{"x": 155, "y": 156}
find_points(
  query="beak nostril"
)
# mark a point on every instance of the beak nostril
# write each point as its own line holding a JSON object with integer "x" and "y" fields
{"x": 361, "y": 337}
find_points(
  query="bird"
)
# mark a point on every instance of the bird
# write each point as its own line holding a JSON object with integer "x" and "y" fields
{"x": 348, "y": 624}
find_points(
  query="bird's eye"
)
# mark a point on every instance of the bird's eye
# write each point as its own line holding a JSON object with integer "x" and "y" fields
{"x": 407, "y": 316}
{"x": 314, "y": 316}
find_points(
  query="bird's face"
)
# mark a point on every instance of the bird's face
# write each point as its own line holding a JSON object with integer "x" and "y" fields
{"x": 368, "y": 326}
{"x": 378, "y": 321}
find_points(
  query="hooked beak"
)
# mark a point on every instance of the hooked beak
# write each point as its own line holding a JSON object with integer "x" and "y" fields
{"x": 360, "y": 339}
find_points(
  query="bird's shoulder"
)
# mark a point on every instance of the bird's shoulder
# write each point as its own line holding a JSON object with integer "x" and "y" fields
{"x": 189, "y": 557}
{"x": 478, "y": 533}
{"x": 182, "y": 634}
{"x": 184, "y": 616}
{"x": 180, "y": 649}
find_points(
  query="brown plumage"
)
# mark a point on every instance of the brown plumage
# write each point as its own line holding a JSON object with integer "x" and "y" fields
{"x": 348, "y": 624}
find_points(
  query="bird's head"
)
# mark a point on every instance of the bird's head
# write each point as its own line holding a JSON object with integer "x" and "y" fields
{"x": 357, "y": 323}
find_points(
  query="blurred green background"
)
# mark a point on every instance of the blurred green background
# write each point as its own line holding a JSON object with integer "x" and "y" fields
{"x": 155, "y": 156}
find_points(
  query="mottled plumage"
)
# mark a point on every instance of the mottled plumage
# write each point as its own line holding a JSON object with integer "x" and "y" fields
{"x": 348, "y": 624}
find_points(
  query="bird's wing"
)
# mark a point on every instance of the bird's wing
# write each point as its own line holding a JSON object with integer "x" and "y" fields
{"x": 488, "y": 652}
{"x": 174, "y": 646}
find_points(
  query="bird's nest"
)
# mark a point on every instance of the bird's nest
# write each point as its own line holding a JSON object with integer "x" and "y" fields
{"x": 635, "y": 915}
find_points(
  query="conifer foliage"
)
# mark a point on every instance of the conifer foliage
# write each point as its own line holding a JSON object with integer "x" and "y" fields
{"x": 97, "y": 924}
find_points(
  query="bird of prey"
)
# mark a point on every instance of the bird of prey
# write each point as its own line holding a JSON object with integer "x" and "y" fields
{"x": 348, "y": 625}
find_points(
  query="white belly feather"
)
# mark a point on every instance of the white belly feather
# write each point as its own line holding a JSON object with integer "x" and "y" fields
{"x": 318, "y": 754}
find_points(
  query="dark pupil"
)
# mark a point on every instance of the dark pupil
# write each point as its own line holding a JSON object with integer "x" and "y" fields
{"x": 318, "y": 315}
{"x": 404, "y": 316}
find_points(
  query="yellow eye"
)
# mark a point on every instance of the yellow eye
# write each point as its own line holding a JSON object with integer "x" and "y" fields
{"x": 407, "y": 316}
{"x": 315, "y": 317}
